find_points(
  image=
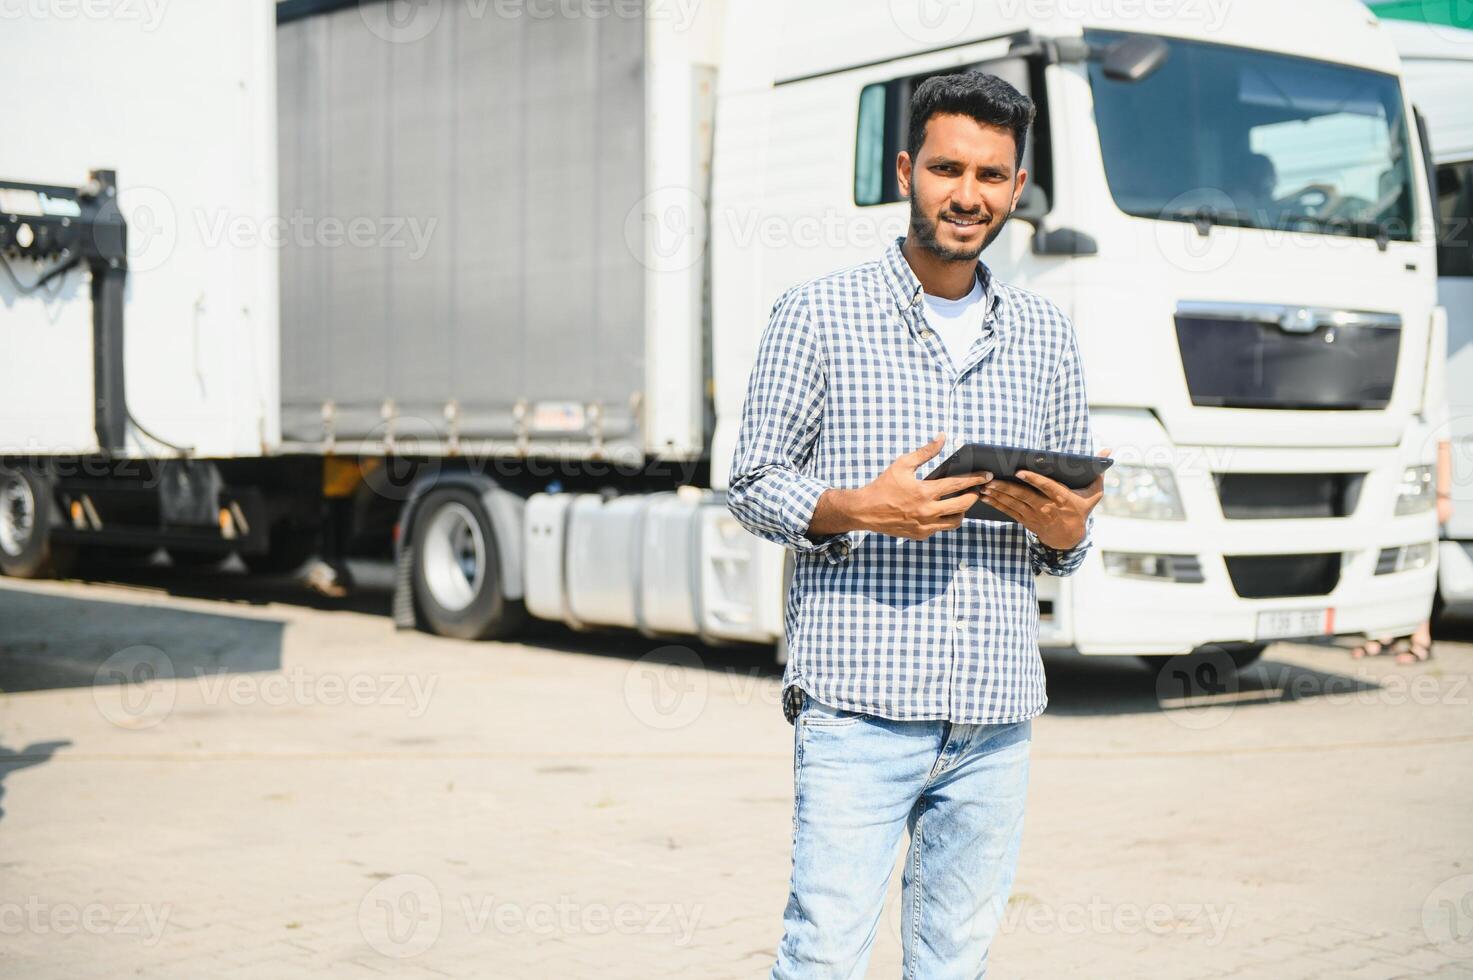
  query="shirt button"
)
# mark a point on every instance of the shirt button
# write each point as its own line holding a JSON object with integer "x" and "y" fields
{"x": 962, "y": 565}
{"x": 961, "y": 624}
{"x": 926, "y": 333}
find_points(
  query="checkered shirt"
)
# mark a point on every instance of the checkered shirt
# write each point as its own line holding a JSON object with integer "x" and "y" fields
{"x": 848, "y": 377}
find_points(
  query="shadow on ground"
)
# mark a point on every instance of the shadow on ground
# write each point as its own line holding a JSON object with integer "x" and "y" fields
{"x": 62, "y": 641}
{"x": 34, "y": 656}
{"x": 32, "y": 755}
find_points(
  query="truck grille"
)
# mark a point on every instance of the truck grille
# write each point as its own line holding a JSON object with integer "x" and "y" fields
{"x": 1275, "y": 576}
{"x": 1278, "y": 496}
{"x": 1250, "y": 355}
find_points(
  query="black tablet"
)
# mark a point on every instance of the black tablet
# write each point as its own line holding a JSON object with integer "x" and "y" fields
{"x": 1073, "y": 470}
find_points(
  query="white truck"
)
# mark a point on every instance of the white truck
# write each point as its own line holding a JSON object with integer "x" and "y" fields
{"x": 524, "y": 253}
{"x": 1438, "y": 64}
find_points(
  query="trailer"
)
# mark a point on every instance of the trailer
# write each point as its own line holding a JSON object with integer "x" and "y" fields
{"x": 478, "y": 287}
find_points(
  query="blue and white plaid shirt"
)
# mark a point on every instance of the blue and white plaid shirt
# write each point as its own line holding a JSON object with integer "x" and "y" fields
{"x": 848, "y": 377}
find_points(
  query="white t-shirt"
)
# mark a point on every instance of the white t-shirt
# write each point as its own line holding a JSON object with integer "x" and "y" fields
{"x": 957, "y": 322}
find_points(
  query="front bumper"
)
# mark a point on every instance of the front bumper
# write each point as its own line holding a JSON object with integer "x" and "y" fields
{"x": 1097, "y": 612}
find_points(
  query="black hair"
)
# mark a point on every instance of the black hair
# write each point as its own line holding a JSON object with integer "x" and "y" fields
{"x": 985, "y": 98}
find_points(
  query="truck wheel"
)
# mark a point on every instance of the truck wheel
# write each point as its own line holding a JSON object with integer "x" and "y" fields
{"x": 457, "y": 570}
{"x": 26, "y": 548}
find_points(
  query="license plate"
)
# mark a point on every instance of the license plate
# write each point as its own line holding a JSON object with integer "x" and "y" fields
{"x": 1282, "y": 624}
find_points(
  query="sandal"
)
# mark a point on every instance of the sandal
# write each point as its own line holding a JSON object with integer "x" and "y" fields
{"x": 1414, "y": 651}
{"x": 1370, "y": 648}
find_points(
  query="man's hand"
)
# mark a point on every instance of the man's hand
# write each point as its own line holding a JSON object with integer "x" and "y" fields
{"x": 1046, "y": 507}
{"x": 898, "y": 504}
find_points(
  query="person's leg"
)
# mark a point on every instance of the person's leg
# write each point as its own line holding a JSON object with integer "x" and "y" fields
{"x": 965, "y": 832}
{"x": 855, "y": 779}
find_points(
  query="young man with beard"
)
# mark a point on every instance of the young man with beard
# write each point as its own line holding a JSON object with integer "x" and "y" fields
{"x": 913, "y": 667}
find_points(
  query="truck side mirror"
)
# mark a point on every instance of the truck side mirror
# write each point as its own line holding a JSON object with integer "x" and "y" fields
{"x": 1134, "y": 58}
{"x": 1063, "y": 242}
{"x": 1032, "y": 205}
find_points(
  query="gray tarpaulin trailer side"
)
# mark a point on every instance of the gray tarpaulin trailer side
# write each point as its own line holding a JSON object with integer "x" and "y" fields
{"x": 491, "y": 292}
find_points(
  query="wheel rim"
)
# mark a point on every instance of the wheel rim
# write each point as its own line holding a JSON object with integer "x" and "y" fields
{"x": 454, "y": 552}
{"x": 17, "y": 513}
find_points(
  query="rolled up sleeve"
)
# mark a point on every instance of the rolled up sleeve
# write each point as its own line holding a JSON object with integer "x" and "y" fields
{"x": 1066, "y": 430}
{"x": 770, "y": 492}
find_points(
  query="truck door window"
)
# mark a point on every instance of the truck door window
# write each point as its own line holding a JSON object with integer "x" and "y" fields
{"x": 1455, "y": 206}
{"x": 884, "y": 119}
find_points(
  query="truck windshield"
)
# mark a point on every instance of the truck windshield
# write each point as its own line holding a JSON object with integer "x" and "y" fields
{"x": 1233, "y": 136}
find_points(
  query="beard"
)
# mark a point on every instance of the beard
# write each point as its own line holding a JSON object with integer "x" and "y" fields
{"x": 925, "y": 229}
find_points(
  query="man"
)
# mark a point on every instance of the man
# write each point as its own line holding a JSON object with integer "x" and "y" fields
{"x": 913, "y": 667}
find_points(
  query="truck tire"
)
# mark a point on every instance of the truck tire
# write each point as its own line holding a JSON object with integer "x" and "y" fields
{"x": 26, "y": 548}
{"x": 457, "y": 569}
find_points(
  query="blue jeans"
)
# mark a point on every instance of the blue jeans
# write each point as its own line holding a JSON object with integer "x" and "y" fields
{"x": 859, "y": 782}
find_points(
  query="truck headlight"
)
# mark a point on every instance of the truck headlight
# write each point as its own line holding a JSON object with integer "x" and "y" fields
{"x": 1416, "y": 492}
{"x": 1147, "y": 492}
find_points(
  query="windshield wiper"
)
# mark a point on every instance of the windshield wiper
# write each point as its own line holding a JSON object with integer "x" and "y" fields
{"x": 1205, "y": 217}
{"x": 1347, "y": 227}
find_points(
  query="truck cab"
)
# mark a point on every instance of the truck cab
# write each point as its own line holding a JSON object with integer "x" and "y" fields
{"x": 1231, "y": 208}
